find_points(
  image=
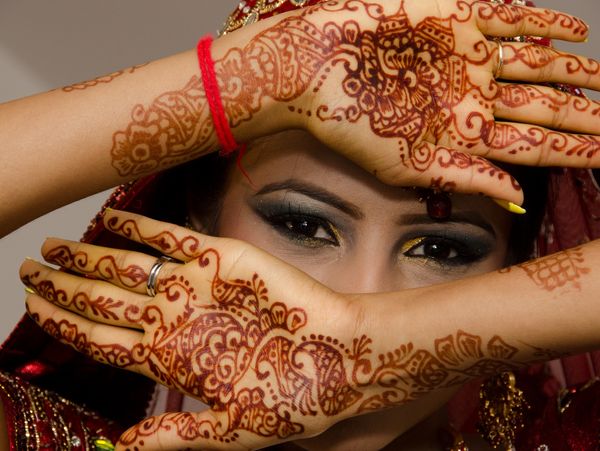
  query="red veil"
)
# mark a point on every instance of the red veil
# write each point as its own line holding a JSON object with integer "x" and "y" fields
{"x": 572, "y": 216}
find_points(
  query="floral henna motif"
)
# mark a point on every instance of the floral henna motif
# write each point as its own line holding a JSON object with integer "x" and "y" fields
{"x": 101, "y": 80}
{"x": 406, "y": 79}
{"x": 106, "y": 267}
{"x": 163, "y": 134}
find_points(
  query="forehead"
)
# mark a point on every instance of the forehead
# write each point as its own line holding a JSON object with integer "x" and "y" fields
{"x": 297, "y": 155}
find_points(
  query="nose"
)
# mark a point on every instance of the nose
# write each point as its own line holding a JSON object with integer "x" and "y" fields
{"x": 367, "y": 270}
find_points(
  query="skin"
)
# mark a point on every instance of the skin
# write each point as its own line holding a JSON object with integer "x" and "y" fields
{"x": 486, "y": 134}
{"x": 370, "y": 247}
{"x": 343, "y": 355}
{"x": 129, "y": 123}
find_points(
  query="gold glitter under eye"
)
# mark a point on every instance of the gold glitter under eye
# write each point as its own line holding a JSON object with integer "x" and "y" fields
{"x": 411, "y": 244}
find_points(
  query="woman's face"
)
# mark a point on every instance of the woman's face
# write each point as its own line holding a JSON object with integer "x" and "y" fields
{"x": 321, "y": 213}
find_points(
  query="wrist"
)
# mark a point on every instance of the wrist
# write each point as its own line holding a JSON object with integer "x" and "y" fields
{"x": 252, "y": 79}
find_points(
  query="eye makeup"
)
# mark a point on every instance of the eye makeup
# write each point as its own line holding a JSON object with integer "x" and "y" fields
{"x": 303, "y": 223}
{"x": 309, "y": 218}
{"x": 448, "y": 247}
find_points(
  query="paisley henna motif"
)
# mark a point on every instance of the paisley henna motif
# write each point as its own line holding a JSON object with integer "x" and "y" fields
{"x": 176, "y": 127}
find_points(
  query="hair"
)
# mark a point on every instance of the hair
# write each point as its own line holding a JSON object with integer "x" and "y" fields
{"x": 526, "y": 228}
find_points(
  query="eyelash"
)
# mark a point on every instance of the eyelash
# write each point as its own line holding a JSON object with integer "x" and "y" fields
{"x": 463, "y": 250}
{"x": 284, "y": 223}
{"x": 465, "y": 254}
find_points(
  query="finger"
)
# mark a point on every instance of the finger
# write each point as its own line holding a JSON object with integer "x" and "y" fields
{"x": 105, "y": 344}
{"x": 538, "y": 63}
{"x": 502, "y": 20}
{"x": 207, "y": 430}
{"x": 449, "y": 170}
{"x": 172, "y": 240}
{"x": 537, "y": 146}
{"x": 547, "y": 107}
{"x": 126, "y": 269}
{"x": 93, "y": 299}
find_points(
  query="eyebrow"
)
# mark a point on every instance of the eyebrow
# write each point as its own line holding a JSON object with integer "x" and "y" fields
{"x": 314, "y": 192}
{"x": 467, "y": 217}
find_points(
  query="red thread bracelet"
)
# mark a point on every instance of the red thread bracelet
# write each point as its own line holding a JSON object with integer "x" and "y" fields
{"x": 213, "y": 97}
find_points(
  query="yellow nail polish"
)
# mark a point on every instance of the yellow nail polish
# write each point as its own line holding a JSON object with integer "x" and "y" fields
{"x": 586, "y": 40}
{"x": 29, "y": 290}
{"x": 509, "y": 206}
{"x": 103, "y": 444}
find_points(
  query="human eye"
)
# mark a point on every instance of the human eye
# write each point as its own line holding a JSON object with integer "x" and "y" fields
{"x": 303, "y": 227}
{"x": 446, "y": 251}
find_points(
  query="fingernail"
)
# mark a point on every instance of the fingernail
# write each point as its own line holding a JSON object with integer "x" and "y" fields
{"x": 103, "y": 444}
{"x": 31, "y": 259}
{"x": 108, "y": 209}
{"x": 509, "y": 206}
{"x": 29, "y": 291}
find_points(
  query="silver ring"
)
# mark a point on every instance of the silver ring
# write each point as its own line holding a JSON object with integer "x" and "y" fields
{"x": 500, "y": 65}
{"x": 153, "y": 274}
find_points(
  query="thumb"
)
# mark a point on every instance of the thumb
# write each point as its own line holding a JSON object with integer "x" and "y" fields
{"x": 206, "y": 430}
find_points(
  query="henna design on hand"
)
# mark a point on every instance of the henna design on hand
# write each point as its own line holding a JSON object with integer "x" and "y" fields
{"x": 536, "y": 56}
{"x": 543, "y": 19}
{"x": 68, "y": 332}
{"x": 407, "y": 373}
{"x": 557, "y": 270}
{"x": 106, "y": 267}
{"x": 186, "y": 248}
{"x": 105, "y": 79}
{"x": 249, "y": 357}
{"x": 81, "y": 302}
{"x": 408, "y": 79}
{"x": 176, "y": 127}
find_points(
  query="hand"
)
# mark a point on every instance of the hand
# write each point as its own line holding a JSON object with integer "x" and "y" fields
{"x": 276, "y": 355}
{"x": 232, "y": 326}
{"x": 407, "y": 88}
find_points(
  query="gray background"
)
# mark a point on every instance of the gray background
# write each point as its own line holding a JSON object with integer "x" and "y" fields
{"x": 44, "y": 45}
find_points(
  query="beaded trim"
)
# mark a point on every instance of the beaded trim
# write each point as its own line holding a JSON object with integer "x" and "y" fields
{"x": 37, "y": 419}
{"x": 247, "y": 14}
